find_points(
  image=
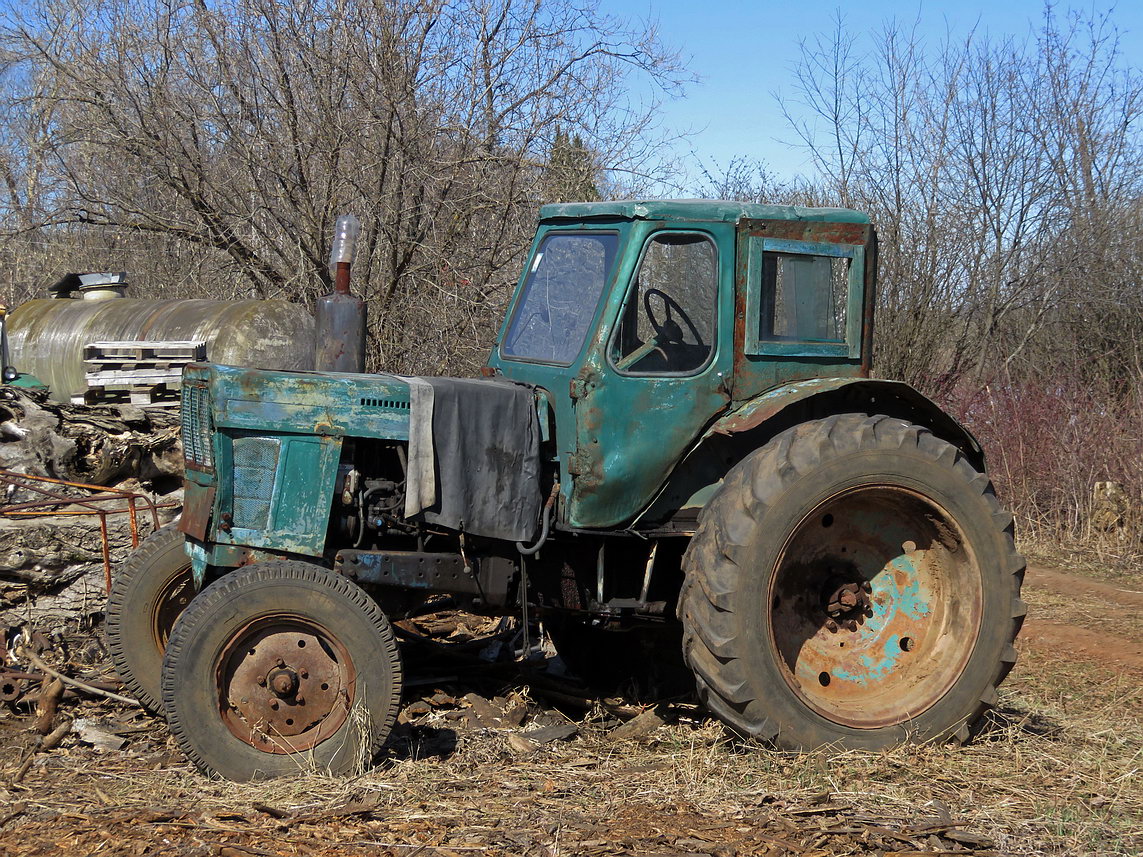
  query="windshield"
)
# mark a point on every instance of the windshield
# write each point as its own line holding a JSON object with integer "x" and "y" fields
{"x": 559, "y": 297}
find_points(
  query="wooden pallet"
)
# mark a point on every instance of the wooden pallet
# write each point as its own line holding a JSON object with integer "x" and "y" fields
{"x": 133, "y": 377}
{"x": 147, "y": 373}
{"x": 156, "y": 396}
{"x": 141, "y": 350}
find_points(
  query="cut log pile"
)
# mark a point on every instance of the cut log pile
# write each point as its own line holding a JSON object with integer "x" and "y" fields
{"x": 54, "y": 555}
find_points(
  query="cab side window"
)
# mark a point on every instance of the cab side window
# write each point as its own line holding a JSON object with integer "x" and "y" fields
{"x": 667, "y": 325}
{"x": 804, "y": 297}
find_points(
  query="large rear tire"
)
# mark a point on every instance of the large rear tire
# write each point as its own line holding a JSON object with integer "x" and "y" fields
{"x": 853, "y": 583}
{"x": 150, "y": 590}
{"x": 281, "y": 668}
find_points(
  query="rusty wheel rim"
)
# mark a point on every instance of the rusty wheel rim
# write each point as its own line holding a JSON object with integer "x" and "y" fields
{"x": 875, "y": 606}
{"x": 173, "y": 598}
{"x": 285, "y": 684}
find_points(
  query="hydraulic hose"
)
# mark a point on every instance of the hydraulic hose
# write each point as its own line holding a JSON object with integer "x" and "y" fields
{"x": 545, "y": 527}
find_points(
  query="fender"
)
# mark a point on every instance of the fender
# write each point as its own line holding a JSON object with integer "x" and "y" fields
{"x": 890, "y": 397}
{"x": 751, "y": 423}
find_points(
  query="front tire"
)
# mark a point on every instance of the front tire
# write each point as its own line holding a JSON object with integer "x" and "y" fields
{"x": 280, "y": 668}
{"x": 151, "y": 589}
{"x": 853, "y": 583}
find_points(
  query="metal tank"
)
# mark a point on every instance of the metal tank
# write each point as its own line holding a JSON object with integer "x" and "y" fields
{"x": 47, "y": 337}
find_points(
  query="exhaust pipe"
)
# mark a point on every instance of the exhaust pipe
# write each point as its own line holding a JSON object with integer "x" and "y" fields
{"x": 339, "y": 317}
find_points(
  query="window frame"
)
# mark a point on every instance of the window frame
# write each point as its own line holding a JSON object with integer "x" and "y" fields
{"x": 756, "y": 345}
{"x": 632, "y": 288}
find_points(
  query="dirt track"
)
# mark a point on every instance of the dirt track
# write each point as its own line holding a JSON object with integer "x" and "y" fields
{"x": 1084, "y": 618}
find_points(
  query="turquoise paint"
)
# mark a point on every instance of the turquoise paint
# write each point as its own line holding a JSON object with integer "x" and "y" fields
{"x": 908, "y": 600}
{"x": 890, "y": 599}
{"x": 617, "y": 435}
{"x": 200, "y": 559}
{"x": 696, "y": 211}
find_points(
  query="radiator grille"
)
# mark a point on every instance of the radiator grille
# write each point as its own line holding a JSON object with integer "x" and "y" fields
{"x": 197, "y": 430}
{"x": 255, "y": 468}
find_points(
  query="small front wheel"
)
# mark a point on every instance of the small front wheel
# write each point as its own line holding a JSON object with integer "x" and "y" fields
{"x": 151, "y": 589}
{"x": 281, "y": 668}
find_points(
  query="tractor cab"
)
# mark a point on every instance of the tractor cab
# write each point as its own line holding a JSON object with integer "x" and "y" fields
{"x": 665, "y": 316}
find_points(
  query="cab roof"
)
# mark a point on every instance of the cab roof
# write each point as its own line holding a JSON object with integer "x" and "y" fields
{"x": 694, "y": 210}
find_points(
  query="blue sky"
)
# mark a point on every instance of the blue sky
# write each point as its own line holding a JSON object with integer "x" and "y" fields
{"x": 744, "y": 52}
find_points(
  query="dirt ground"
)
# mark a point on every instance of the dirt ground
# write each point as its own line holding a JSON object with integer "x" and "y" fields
{"x": 1056, "y": 770}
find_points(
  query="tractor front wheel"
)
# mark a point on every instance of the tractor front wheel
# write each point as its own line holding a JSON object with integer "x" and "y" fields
{"x": 854, "y": 583}
{"x": 151, "y": 589}
{"x": 280, "y": 668}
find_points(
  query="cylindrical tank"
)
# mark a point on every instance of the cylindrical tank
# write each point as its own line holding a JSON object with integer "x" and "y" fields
{"x": 47, "y": 337}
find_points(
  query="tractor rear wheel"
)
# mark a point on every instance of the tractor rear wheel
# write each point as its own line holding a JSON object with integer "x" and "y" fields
{"x": 280, "y": 668}
{"x": 853, "y": 583}
{"x": 151, "y": 589}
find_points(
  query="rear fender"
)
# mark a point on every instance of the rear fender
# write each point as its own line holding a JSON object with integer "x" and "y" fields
{"x": 754, "y": 422}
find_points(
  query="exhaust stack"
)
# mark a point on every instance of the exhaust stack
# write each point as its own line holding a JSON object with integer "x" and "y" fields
{"x": 339, "y": 317}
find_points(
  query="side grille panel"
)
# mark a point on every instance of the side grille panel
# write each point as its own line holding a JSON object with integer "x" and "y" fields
{"x": 255, "y": 470}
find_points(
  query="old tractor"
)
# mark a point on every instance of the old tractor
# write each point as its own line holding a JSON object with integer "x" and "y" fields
{"x": 676, "y": 438}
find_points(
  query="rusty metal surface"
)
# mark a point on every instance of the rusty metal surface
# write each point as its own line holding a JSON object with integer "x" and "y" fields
{"x": 285, "y": 684}
{"x": 432, "y": 572}
{"x": 339, "y": 331}
{"x": 15, "y": 683}
{"x": 696, "y": 210}
{"x": 895, "y": 398}
{"x": 169, "y": 605}
{"x": 47, "y": 337}
{"x": 875, "y": 605}
{"x": 198, "y": 503}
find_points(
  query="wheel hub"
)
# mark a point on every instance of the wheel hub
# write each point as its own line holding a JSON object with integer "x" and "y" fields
{"x": 285, "y": 685}
{"x": 847, "y": 604}
{"x": 284, "y": 682}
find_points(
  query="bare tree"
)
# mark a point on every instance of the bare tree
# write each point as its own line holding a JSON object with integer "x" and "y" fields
{"x": 979, "y": 160}
{"x": 241, "y": 128}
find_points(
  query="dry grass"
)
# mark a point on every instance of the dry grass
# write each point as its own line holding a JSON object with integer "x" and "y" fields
{"x": 1101, "y": 556}
{"x": 1056, "y": 772}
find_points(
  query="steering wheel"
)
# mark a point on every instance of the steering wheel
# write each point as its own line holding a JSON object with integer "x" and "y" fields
{"x": 667, "y": 329}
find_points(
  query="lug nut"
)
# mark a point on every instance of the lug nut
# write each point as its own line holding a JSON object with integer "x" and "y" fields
{"x": 832, "y": 625}
{"x": 261, "y": 681}
{"x": 304, "y": 673}
{"x": 867, "y": 586}
{"x": 279, "y": 662}
{"x": 274, "y": 704}
{"x": 300, "y": 700}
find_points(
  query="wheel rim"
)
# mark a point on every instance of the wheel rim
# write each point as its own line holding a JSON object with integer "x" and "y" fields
{"x": 172, "y": 599}
{"x": 875, "y": 606}
{"x": 285, "y": 684}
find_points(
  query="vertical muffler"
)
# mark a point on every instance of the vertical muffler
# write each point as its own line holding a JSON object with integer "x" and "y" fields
{"x": 339, "y": 317}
